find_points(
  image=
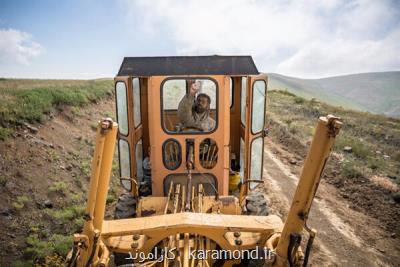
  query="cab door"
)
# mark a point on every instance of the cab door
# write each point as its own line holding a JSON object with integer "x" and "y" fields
{"x": 254, "y": 130}
{"x": 130, "y": 145}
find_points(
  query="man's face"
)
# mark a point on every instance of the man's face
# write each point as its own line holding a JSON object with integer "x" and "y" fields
{"x": 201, "y": 104}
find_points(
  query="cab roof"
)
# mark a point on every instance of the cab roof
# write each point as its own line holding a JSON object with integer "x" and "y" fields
{"x": 188, "y": 65}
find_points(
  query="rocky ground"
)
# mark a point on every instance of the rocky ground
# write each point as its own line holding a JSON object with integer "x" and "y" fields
{"x": 44, "y": 172}
{"x": 345, "y": 237}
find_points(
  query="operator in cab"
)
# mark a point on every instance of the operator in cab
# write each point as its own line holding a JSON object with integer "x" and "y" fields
{"x": 194, "y": 112}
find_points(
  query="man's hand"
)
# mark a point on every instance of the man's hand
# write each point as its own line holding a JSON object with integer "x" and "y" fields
{"x": 194, "y": 88}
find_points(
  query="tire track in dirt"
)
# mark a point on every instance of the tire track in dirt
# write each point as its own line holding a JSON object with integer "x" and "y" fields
{"x": 336, "y": 243}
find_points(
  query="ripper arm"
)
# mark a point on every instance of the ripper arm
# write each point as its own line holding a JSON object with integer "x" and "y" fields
{"x": 289, "y": 240}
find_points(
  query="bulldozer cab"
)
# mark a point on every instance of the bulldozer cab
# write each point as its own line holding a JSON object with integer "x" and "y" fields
{"x": 209, "y": 110}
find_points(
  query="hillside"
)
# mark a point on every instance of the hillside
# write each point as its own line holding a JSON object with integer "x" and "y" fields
{"x": 373, "y": 92}
{"x": 365, "y": 166}
{"x": 47, "y": 131}
{"x": 45, "y": 164}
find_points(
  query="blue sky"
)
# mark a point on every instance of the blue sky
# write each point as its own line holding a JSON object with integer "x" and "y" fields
{"x": 88, "y": 38}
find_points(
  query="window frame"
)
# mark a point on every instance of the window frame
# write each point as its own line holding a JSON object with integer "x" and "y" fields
{"x": 190, "y": 78}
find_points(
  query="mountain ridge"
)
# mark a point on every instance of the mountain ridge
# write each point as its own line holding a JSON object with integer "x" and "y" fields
{"x": 375, "y": 92}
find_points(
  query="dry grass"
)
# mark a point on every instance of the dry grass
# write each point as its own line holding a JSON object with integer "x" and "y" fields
{"x": 385, "y": 183}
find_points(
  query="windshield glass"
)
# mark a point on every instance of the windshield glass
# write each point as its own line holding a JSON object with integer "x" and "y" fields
{"x": 189, "y": 105}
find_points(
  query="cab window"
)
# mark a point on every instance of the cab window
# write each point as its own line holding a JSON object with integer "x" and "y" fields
{"x": 122, "y": 107}
{"x": 124, "y": 163}
{"x": 243, "y": 101}
{"x": 136, "y": 102}
{"x": 258, "y": 109}
{"x": 256, "y": 160}
{"x": 189, "y": 105}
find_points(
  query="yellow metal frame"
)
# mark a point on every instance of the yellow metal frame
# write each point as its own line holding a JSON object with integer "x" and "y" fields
{"x": 220, "y": 228}
{"x": 229, "y": 231}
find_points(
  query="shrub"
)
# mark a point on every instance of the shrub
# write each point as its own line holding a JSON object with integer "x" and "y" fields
{"x": 37, "y": 248}
{"x": 359, "y": 148}
{"x": 350, "y": 170}
{"x": 110, "y": 198}
{"x": 376, "y": 163}
{"x": 20, "y": 203}
{"x": 5, "y": 133}
{"x": 86, "y": 168}
{"x": 53, "y": 155}
{"x": 76, "y": 111}
{"x": 299, "y": 100}
{"x": 76, "y": 198}
{"x": 285, "y": 92}
{"x": 313, "y": 101}
{"x": 59, "y": 187}
{"x": 61, "y": 244}
{"x": 56, "y": 244}
{"x": 67, "y": 214}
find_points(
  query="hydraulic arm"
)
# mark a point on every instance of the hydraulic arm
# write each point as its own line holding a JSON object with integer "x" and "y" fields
{"x": 88, "y": 245}
{"x": 289, "y": 241}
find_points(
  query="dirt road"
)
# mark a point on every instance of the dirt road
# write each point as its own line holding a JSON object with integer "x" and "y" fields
{"x": 345, "y": 237}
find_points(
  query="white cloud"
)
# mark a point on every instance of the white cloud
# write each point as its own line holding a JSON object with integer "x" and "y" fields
{"x": 305, "y": 38}
{"x": 18, "y": 47}
{"x": 340, "y": 56}
{"x": 236, "y": 26}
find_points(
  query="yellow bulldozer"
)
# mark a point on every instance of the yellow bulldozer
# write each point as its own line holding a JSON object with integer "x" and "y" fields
{"x": 190, "y": 137}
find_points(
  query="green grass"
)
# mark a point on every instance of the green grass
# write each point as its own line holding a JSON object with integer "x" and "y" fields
{"x": 76, "y": 111}
{"x": 360, "y": 149}
{"x": 350, "y": 169}
{"x": 59, "y": 187}
{"x": 110, "y": 198}
{"x": 86, "y": 167}
{"x": 76, "y": 198}
{"x": 39, "y": 249}
{"x": 53, "y": 155}
{"x": 66, "y": 214}
{"x": 50, "y": 248}
{"x": 30, "y": 100}
{"x": 21, "y": 202}
{"x": 299, "y": 100}
{"x": 5, "y": 133}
